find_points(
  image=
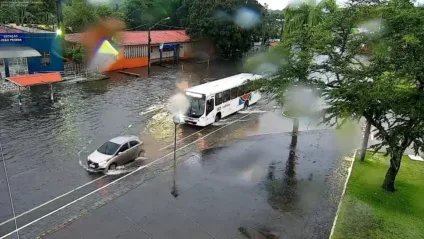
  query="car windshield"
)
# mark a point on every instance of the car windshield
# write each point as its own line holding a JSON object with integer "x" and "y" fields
{"x": 197, "y": 107}
{"x": 108, "y": 148}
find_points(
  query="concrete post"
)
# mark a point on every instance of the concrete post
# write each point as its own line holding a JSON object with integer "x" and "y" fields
{"x": 6, "y": 68}
{"x": 51, "y": 91}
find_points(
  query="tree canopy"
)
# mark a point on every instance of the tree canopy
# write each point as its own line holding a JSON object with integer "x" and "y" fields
{"x": 385, "y": 86}
{"x": 217, "y": 21}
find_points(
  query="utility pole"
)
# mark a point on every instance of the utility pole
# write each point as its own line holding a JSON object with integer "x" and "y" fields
{"x": 59, "y": 14}
{"x": 148, "y": 52}
{"x": 149, "y": 40}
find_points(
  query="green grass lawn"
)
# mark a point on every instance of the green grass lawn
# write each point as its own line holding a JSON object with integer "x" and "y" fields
{"x": 368, "y": 211}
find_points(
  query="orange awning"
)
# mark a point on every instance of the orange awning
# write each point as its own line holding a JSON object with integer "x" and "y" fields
{"x": 36, "y": 79}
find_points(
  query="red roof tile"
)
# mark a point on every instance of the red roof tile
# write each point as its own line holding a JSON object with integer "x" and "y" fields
{"x": 140, "y": 37}
{"x": 36, "y": 79}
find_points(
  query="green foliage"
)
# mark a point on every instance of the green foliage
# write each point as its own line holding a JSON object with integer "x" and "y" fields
{"x": 139, "y": 14}
{"x": 75, "y": 54}
{"x": 78, "y": 15}
{"x": 386, "y": 87}
{"x": 28, "y": 12}
{"x": 213, "y": 20}
{"x": 377, "y": 213}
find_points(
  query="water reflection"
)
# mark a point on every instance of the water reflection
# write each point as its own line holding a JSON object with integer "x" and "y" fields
{"x": 48, "y": 134}
{"x": 282, "y": 193}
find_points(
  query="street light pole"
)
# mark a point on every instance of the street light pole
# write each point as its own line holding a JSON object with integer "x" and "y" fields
{"x": 149, "y": 40}
{"x": 174, "y": 190}
{"x": 148, "y": 53}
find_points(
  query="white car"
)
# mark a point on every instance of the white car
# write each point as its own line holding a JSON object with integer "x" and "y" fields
{"x": 117, "y": 151}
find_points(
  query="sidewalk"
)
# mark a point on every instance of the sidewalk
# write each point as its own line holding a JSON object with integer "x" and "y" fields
{"x": 245, "y": 189}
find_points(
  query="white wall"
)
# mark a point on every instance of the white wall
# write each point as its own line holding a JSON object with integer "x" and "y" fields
{"x": 141, "y": 51}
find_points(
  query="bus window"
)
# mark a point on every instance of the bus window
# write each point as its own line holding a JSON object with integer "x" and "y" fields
{"x": 245, "y": 89}
{"x": 209, "y": 106}
{"x": 233, "y": 93}
{"x": 239, "y": 91}
{"x": 226, "y": 96}
{"x": 218, "y": 98}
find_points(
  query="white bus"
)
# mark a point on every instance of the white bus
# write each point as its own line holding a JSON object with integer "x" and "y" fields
{"x": 215, "y": 100}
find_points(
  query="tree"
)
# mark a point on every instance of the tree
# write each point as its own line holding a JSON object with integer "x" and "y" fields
{"x": 294, "y": 56}
{"x": 140, "y": 14}
{"x": 28, "y": 12}
{"x": 385, "y": 88}
{"x": 216, "y": 21}
{"x": 77, "y": 15}
{"x": 391, "y": 95}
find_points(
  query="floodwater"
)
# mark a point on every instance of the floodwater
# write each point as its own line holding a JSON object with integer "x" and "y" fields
{"x": 46, "y": 142}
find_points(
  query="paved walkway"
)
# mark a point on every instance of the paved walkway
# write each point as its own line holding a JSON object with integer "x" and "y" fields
{"x": 250, "y": 188}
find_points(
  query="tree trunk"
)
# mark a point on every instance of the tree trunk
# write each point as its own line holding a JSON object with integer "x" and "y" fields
{"x": 365, "y": 140}
{"x": 395, "y": 160}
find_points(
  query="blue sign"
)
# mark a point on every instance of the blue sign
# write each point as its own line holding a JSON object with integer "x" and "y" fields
{"x": 11, "y": 37}
{"x": 169, "y": 46}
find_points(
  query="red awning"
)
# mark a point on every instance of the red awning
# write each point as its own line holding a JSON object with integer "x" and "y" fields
{"x": 36, "y": 79}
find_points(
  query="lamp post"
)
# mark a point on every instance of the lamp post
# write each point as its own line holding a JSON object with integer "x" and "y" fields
{"x": 177, "y": 120}
{"x": 148, "y": 43}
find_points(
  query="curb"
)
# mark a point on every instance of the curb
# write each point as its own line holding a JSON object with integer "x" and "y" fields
{"x": 342, "y": 196}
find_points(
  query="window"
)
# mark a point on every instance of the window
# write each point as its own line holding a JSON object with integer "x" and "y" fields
{"x": 167, "y": 49}
{"x": 108, "y": 148}
{"x": 218, "y": 98}
{"x": 209, "y": 106}
{"x": 226, "y": 96}
{"x": 245, "y": 89}
{"x": 123, "y": 148}
{"x": 239, "y": 91}
{"x": 196, "y": 108}
{"x": 133, "y": 143}
{"x": 45, "y": 58}
{"x": 233, "y": 93}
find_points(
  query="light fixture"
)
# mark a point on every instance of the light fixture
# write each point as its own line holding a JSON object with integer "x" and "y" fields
{"x": 178, "y": 119}
{"x": 58, "y": 32}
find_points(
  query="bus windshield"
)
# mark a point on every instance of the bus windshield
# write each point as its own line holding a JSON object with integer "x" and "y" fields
{"x": 197, "y": 107}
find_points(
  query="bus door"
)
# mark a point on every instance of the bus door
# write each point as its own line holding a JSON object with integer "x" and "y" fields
{"x": 210, "y": 112}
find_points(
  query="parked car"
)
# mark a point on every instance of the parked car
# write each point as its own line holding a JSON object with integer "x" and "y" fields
{"x": 117, "y": 151}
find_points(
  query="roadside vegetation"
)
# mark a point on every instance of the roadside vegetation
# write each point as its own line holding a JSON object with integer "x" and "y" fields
{"x": 367, "y": 211}
{"x": 231, "y": 25}
{"x": 321, "y": 50}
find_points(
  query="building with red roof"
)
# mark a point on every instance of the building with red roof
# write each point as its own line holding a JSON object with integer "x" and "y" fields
{"x": 133, "y": 48}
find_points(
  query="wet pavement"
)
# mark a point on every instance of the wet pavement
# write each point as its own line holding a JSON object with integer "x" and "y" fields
{"x": 43, "y": 141}
{"x": 253, "y": 187}
{"x": 44, "y": 148}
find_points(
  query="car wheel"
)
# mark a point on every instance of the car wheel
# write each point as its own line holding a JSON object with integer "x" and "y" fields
{"x": 112, "y": 166}
{"x": 141, "y": 154}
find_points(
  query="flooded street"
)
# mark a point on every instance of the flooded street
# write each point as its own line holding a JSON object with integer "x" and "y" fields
{"x": 42, "y": 139}
{"x": 46, "y": 145}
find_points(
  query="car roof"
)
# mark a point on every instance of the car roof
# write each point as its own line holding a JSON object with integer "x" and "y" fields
{"x": 123, "y": 139}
